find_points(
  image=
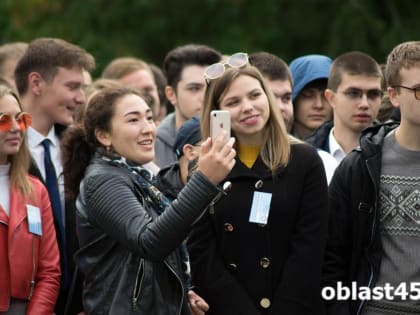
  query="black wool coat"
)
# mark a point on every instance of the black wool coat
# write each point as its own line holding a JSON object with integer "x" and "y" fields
{"x": 247, "y": 268}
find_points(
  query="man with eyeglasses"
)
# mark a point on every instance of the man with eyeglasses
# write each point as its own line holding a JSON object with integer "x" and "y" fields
{"x": 374, "y": 203}
{"x": 354, "y": 91}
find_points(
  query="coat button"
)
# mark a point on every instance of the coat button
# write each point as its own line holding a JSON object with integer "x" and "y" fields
{"x": 228, "y": 227}
{"x": 259, "y": 184}
{"x": 265, "y": 303}
{"x": 232, "y": 266}
{"x": 227, "y": 186}
{"x": 264, "y": 262}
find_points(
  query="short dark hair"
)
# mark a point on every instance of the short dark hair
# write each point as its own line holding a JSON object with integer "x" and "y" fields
{"x": 352, "y": 63}
{"x": 271, "y": 66}
{"x": 180, "y": 57}
{"x": 45, "y": 55}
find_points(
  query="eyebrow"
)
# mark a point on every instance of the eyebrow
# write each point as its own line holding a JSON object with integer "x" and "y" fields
{"x": 137, "y": 112}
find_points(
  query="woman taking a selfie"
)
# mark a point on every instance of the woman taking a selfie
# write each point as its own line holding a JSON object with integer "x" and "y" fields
{"x": 259, "y": 248}
{"x": 29, "y": 258}
{"x": 128, "y": 231}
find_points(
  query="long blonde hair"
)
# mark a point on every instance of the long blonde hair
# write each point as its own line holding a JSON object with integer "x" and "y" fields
{"x": 275, "y": 152}
{"x": 19, "y": 162}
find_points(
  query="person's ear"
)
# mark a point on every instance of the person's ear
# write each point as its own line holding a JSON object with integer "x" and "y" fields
{"x": 329, "y": 96}
{"x": 35, "y": 83}
{"x": 103, "y": 137}
{"x": 393, "y": 96}
{"x": 170, "y": 94}
{"x": 189, "y": 152}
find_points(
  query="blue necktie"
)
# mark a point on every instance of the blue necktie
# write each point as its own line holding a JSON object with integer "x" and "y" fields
{"x": 52, "y": 187}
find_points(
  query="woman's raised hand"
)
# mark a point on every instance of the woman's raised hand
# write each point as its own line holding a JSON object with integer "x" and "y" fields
{"x": 217, "y": 158}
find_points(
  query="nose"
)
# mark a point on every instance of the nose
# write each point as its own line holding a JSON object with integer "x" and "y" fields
{"x": 80, "y": 97}
{"x": 364, "y": 103}
{"x": 319, "y": 101}
{"x": 147, "y": 126}
{"x": 15, "y": 126}
{"x": 247, "y": 105}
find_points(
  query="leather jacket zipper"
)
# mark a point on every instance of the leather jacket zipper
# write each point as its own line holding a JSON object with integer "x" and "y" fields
{"x": 370, "y": 282}
{"x": 32, "y": 283}
{"x": 137, "y": 285}
{"x": 180, "y": 282}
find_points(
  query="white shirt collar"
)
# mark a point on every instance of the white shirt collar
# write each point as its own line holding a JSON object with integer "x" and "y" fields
{"x": 335, "y": 148}
{"x": 35, "y": 138}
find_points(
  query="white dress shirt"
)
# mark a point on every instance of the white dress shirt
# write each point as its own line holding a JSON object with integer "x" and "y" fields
{"x": 37, "y": 151}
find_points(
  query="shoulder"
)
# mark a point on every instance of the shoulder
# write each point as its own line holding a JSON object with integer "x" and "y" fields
{"x": 36, "y": 184}
{"x": 303, "y": 151}
{"x": 167, "y": 123}
{"x": 101, "y": 172}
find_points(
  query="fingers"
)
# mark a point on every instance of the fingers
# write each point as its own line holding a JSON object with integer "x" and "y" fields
{"x": 206, "y": 146}
{"x": 197, "y": 304}
{"x": 219, "y": 141}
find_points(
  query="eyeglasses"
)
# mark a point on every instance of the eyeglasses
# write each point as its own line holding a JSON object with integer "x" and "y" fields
{"x": 216, "y": 70}
{"x": 357, "y": 94}
{"x": 23, "y": 120}
{"x": 416, "y": 90}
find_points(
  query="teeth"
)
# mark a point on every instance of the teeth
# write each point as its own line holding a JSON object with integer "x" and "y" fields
{"x": 146, "y": 142}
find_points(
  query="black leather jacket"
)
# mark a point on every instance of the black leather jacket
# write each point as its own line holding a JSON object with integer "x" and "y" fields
{"x": 354, "y": 248}
{"x": 129, "y": 255}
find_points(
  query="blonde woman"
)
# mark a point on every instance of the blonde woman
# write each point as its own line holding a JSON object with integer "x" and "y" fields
{"x": 259, "y": 248}
{"x": 29, "y": 258}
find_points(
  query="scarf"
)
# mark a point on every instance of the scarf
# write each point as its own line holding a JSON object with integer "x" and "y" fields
{"x": 146, "y": 180}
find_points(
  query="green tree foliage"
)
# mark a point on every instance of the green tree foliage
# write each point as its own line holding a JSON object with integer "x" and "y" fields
{"x": 149, "y": 28}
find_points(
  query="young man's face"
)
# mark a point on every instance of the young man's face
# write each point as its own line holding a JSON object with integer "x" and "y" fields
{"x": 311, "y": 108}
{"x": 189, "y": 94}
{"x": 405, "y": 99}
{"x": 356, "y": 101}
{"x": 282, "y": 90}
{"x": 59, "y": 98}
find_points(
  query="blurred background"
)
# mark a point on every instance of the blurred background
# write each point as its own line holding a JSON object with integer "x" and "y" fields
{"x": 149, "y": 28}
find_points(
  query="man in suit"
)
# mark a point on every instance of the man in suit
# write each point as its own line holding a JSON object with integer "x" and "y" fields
{"x": 49, "y": 78}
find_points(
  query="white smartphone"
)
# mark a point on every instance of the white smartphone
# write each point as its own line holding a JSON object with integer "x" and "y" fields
{"x": 219, "y": 121}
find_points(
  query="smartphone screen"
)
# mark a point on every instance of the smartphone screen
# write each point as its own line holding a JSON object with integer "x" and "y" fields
{"x": 219, "y": 121}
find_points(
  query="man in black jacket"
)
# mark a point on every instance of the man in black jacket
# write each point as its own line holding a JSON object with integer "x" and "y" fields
{"x": 372, "y": 264}
{"x": 49, "y": 78}
{"x": 354, "y": 91}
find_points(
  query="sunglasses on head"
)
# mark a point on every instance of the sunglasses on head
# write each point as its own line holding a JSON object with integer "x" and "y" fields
{"x": 216, "y": 70}
{"x": 23, "y": 120}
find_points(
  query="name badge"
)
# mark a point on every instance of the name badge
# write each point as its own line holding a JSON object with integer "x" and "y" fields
{"x": 34, "y": 220}
{"x": 260, "y": 208}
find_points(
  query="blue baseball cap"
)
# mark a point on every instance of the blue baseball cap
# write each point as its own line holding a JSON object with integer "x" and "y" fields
{"x": 188, "y": 133}
{"x": 306, "y": 69}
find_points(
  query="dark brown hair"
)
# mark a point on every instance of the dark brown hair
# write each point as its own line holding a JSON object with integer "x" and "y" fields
{"x": 79, "y": 142}
{"x": 45, "y": 56}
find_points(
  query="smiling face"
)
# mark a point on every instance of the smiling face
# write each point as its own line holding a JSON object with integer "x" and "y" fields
{"x": 10, "y": 140}
{"x": 59, "y": 98}
{"x": 133, "y": 130}
{"x": 248, "y": 105}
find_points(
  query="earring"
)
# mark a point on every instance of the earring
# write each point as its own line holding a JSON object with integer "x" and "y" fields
{"x": 108, "y": 148}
